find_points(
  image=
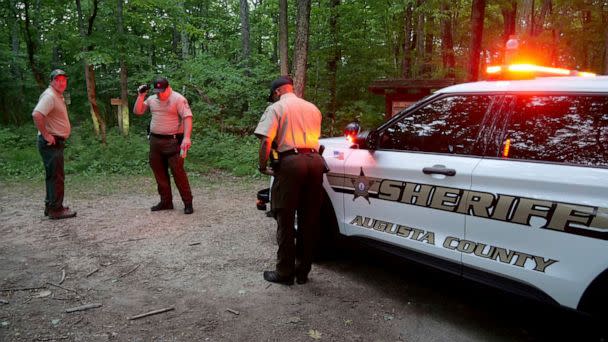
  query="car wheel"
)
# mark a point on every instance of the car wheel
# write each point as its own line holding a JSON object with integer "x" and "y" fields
{"x": 595, "y": 299}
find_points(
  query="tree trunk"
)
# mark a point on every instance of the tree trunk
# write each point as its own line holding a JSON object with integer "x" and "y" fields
{"x": 605, "y": 45}
{"x": 406, "y": 64}
{"x": 332, "y": 64}
{"x": 447, "y": 41}
{"x": 587, "y": 53}
{"x": 184, "y": 38}
{"x": 123, "y": 109}
{"x": 509, "y": 15}
{"x": 244, "y": 6}
{"x": 477, "y": 16}
{"x": 301, "y": 48}
{"x": 420, "y": 36}
{"x": 14, "y": 26}
{"x": 531, "y": 22}
{"x": 98, "y": 122}
{"x": 174, "y": 39}
{"x": 185, "y": 44}
{"x": 11, "y": 115}
{"x": 283, "y": 38}
{"x": 546, "y": 8}
{"x": 31, "y": 41}
{"x": 428, "y": 53}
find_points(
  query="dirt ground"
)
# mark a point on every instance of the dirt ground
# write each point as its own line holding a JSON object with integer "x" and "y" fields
{"x": 206, "y": 268}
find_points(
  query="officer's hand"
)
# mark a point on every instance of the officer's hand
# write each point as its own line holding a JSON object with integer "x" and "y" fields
{"x": 186, "y": 143}
{"x": 267, "y": 171}
{"x": 50, "y": 139}
{"x": 143, "y": 89}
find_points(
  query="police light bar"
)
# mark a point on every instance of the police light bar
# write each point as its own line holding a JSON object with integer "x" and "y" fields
{"x": 531, "y": 70}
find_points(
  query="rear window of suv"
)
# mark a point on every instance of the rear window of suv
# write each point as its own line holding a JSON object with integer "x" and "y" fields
{"x": 571, "y": 129}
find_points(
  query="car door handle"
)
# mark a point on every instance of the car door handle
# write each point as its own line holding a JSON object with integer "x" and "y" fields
{"x": 439, "y": 171}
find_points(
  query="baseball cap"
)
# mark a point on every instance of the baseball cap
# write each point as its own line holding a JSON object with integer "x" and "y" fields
{"x": 160, "y": 84}
{"x": 57, "y": 72}
{"x": 276, "y": 84}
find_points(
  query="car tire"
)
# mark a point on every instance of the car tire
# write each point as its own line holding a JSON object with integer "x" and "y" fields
{"x": 595, "y": 299}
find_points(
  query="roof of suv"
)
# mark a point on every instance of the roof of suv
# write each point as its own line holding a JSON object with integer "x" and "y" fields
{"x": 598, "y": 84}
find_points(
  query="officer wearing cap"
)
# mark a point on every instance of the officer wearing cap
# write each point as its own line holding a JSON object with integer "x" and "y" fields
{"x": 51, "y": 118}
{"x": 170, "y": 131}
{"x": 294, "y": 125}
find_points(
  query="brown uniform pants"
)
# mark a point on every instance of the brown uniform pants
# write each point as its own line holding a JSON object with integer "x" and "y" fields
{"x": 164, "y": 155}
{"x": 297, "y": 188}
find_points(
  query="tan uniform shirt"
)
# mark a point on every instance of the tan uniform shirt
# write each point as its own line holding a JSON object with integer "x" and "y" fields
{"x": 292, "y": 123}
{"x": 166, "y": 114}
{"x": 52, "y": 105}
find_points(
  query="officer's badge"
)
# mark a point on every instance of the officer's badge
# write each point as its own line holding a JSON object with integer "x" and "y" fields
{"x": 362, "y": 185}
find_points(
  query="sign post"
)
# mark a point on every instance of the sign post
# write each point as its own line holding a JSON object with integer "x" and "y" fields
{"x": 122, "y": 115}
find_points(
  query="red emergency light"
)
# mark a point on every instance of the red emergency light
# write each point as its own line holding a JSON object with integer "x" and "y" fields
{"x": 351, "y": 131}
{"x": 519, "y": 71}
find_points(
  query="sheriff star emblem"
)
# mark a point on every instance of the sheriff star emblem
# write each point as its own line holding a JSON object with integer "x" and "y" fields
{"x": 362, "y": 185}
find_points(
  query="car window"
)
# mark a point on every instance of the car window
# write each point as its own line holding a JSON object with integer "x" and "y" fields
{"x": 446, "y": 125}
{"x": 566, "y": 129}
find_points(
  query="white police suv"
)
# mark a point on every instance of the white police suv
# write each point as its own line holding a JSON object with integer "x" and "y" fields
{"x": 504, "y": 182}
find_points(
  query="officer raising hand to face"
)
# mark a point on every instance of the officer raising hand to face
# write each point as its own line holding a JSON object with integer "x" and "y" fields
{"x": 294, "y": 124}
{"x": 170, "y": 130}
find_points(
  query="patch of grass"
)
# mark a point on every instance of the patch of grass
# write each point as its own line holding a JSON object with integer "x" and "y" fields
{"x": 235, "y": 154}
{"x": 122, "y": 156}
{"x": 19, "y": 157}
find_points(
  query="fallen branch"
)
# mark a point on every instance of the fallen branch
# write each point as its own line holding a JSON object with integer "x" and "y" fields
{"x": 52, "y": 338}
{"x": 83, "y": 307}
{"x": 194, "y": 244}
{"x": 92, "y": 272}
{"x": 152, "y": 313}
{"x": 129, "y": 272}
{"x": 233, "y": 311}
{"x": 62, "y": 276}
{"x": 123, "y": 241}
{"x": 23, "y": 288}
{"x": 129, "y": 240}
{"x": 61, "y": 287}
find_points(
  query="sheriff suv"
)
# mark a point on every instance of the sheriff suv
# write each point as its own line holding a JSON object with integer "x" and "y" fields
{"x": 504, "y": 182}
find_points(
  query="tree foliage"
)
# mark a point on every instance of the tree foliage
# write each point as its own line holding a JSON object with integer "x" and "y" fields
{"x": 198, "y": 45}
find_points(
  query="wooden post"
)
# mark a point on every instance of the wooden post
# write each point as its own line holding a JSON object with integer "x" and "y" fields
{"x": 122, "y": 115}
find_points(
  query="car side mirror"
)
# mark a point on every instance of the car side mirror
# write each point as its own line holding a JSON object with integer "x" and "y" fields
{"x": 371, "y": 141}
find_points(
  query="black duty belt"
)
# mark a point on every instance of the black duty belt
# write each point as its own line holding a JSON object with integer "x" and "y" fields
{"x": 297, "y": 151}
{"x": 167, "y": 136}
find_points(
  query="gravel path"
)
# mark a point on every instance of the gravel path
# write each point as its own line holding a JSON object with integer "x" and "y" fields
{"x": 207, "y": 268}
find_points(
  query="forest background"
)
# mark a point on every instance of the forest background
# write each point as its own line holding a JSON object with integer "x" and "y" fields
{"x": 222, "y": 55}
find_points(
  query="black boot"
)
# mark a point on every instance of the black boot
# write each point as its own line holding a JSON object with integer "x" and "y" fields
{"x": 274, "y": 277}
{"x": 162, "y": 206}
{"x": 188, "y": 209}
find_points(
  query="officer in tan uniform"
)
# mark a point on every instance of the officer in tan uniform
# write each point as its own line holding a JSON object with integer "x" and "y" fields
{"x": 170, "y": 131}
{"x": 51, "y": 118}
{"x": 294, "y": 125}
